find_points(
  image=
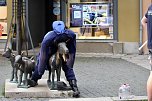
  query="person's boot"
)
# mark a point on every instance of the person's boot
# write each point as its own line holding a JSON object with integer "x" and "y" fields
{"x": 74, "y": 87}
{"x": 32, "y": 83}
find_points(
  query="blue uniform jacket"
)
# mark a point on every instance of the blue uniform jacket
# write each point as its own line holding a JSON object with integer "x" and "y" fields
{"x": 48, "y": 48}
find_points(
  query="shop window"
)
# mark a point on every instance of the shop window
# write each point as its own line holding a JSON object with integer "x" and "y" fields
{"x": 92, "y": 19}
{"x": 3, "y": 19}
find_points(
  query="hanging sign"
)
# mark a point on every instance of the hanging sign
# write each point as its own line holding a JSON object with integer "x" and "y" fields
{"x": 56, "y": 11}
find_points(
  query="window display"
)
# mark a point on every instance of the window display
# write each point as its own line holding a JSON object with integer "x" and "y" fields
{"x": 3, "y": 19}
{"x": 90, "y": 15}
{"x": 95, "y": 14}
{"x": 94, "y": 19}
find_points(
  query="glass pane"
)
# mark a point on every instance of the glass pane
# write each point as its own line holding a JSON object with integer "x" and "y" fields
{"x": 93, "y": 18}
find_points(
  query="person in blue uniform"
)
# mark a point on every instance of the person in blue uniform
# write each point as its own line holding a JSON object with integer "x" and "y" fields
{"x": 147, "y": 23}
{"x": 48, "y": 48}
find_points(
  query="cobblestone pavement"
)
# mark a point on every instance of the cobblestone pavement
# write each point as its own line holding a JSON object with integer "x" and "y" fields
{"x": 98, "y": 75}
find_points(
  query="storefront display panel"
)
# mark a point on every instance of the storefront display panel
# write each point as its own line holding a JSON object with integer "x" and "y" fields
{"x": 93, "y": 19}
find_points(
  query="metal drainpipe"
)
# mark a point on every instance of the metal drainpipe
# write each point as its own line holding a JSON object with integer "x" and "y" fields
{"x": 141, "y": 33}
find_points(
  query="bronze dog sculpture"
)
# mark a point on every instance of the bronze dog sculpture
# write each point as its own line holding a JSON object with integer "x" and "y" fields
{"x": 8, "y": 54}
{"x": 26, "y": 67}
{"x": 55, "y": 64}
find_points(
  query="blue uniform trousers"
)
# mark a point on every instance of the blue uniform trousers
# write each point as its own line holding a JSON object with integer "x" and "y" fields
{"x": 48, "y": 49}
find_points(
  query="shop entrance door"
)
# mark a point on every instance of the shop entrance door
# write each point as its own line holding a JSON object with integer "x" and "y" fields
{"x": 52, "y": 13}
{"x": 41, "y": 14}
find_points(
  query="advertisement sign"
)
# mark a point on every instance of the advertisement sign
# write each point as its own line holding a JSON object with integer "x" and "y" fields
{"x": 90, "y": 14}
{"x": 95, "y": 14}
{"x": 76, "y": 15}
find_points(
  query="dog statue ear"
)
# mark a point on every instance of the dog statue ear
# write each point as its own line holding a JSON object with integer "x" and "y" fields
{"x": 8, "y": 49}
{"x": 22, "y": 53}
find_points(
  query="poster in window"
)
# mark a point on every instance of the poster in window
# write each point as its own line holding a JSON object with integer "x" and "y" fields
{"x": 75, "y": 15}
{"x": 90, "y": 14}
{"x": 95, "y": 14}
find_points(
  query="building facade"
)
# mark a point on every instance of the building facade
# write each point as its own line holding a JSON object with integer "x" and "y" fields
{"x": 101, "y": 26}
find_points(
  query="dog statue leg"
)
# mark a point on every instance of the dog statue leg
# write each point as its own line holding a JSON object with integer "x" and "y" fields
{"x": 58, "y": 72}
{"x": 20, "y": 79}
{"x": 15, "y": 74}
{"x": 12, "y": 75}
{"x": 53, "y": 76}
{"x": 25, "y": 82}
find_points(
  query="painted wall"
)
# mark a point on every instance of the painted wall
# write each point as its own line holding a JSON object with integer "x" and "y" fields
{"x": 9, "y": 13}
{"x": 128, "y": 20}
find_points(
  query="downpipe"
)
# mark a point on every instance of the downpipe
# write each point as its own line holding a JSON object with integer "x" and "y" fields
{"x": 141, "y": 29}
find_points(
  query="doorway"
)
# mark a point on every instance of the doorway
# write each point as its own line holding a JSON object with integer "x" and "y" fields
{"x": 41, "y": 14}
{"x": 52, "y": 13}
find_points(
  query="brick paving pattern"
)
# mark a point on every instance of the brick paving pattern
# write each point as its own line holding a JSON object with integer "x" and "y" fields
{"x": 97, "y": 76}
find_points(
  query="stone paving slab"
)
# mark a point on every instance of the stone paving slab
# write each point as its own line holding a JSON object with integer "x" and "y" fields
{"x": 134, "y": 98}
{"x": 40, "y": 91}
{"x": 85, "y": 99}
{"x": 140, "y": 61}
